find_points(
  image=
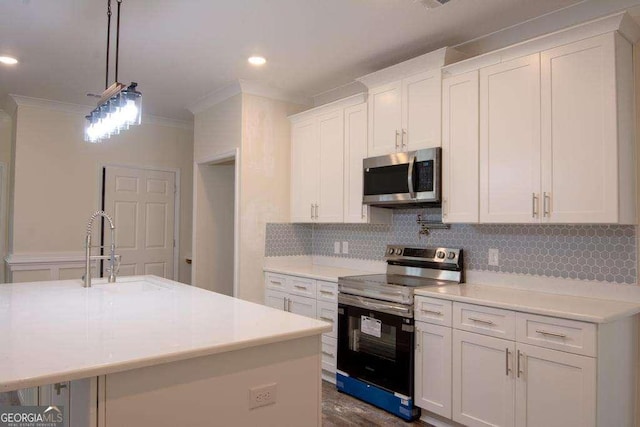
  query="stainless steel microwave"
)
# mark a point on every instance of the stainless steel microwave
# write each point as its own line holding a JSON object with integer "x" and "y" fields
{"x": 400, "y": 179}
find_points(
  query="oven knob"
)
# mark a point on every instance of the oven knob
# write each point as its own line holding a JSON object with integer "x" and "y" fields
{"x": 398, "y": 251}
{"x": 440, "y": 254}
{"x": 390, "y": 251}
{"x": 451, "y": 255}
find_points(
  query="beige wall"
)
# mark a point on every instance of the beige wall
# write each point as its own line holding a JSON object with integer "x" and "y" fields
{"x": 6, "y": 134}
{"x": 57, "y": 177}
{"x": 260, "y": 128}
{"x": 217, "y": 129}
{"x": 264, "y": 197}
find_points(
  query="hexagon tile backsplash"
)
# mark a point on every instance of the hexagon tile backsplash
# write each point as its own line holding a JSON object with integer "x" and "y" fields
{"x": 586, "y": 252}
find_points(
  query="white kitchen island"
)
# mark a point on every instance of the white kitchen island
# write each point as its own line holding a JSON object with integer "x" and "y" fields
{"x": 159, "y": 353}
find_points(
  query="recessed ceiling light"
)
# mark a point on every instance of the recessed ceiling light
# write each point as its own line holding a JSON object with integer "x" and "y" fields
{"x": 8, "y": 60}
{"x": 257, "y": 60}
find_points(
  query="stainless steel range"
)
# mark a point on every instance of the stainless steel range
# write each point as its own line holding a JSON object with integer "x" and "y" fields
{"x": 376, "y": 325}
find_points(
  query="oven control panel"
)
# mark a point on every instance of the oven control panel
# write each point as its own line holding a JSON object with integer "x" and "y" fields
{"x": 444, "y": 255}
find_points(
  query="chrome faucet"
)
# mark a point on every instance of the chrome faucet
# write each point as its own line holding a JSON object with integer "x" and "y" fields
{"x": 112, "y": 253}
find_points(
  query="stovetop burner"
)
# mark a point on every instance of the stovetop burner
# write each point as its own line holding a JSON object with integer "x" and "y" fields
{"x": 407, "y": 269}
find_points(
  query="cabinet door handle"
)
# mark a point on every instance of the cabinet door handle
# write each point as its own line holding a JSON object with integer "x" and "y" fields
{"x": 534, "y": 205}
{"x": 311, "y": 210}
{"x": 485, "y": 322}
{"x": 553, "y": 334}
{"x": 327, "y": 353}
{"x": 289, "y": 305}
{"x": 404, "y": 134}
{"x": 518, "y": 364}
{"x": 364, "y": 215}
{"x": 304, "y": 288}
{"x": 284, "y": 304}
{"x": 397, "y": 136}
{"x": 546, "y": 204}
{"x": 437, "y": 313}
{"x": 316, "y": 211}
{"x": 506, "y": 361}
{"x": 326, "y": 319}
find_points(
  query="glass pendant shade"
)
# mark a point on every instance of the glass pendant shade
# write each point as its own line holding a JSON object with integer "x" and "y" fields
{"x": 114, "y": 115}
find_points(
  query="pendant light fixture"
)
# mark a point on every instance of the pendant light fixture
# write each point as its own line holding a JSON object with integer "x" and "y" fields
{"x": 120, "y": 106}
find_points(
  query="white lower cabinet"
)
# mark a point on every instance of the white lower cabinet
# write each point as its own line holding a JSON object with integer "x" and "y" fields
{"x": 311, "y": 298}
{"x": 483, "y": 386}
{"x": 433, "y": 368}
{"x": 554, "y": 388}
{"x": 540, "y": 372}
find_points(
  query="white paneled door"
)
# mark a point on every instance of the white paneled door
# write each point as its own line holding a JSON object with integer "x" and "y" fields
{"x": 142, "y": 202}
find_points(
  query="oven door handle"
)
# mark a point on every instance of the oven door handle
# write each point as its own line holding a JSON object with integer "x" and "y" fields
{"x": 395, "y": 309}
{"x": 412, "y": 162}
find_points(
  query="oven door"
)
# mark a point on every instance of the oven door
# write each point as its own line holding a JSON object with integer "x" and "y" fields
{"x": 375, "y": 342}
{"x": 402, "y": 178}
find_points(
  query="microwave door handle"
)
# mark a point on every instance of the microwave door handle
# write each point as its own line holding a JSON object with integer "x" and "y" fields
{"x": 412, "y": 162}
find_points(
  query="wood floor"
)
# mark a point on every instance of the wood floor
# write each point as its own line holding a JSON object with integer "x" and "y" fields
{"x": 339, "y": 409}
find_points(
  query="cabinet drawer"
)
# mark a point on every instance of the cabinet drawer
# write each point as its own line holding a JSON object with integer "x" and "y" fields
{"x": 485, "y": 320}
{"x": 559, "y": 334}
{"x": 433, "y": 310}
{"x": 328, "y": 312}
{"x": 302, "y": 286}
{"x": 329, "y": 354}
{"x": 274, "y": 281}
{"x": 327, "y": 291}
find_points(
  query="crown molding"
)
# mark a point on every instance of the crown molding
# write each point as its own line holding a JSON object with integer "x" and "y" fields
{"x": 48, "y": 104}
{"x": 249, "y": 87}
{"x": 215, "y": 97}
{"x": 256, "y": 88}
{"x": 349, "y": 101}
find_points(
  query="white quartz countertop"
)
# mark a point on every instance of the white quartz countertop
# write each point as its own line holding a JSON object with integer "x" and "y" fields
{"x": 59, "y": 331}
{"x": 314, "y": 271}
{"x": 565, "y": 306}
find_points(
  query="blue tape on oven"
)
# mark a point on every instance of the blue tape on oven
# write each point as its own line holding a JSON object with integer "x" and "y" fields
{"x": 378, "y": 397}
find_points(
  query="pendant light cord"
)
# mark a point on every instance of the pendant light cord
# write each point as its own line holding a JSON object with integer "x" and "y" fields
{"x": 106, "y": 79}
{"x": 118, "y": 38}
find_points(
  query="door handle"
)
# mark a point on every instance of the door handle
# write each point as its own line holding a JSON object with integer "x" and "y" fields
{"x": 316, "y": 211}
{"x": 404, "y": 134}
{"x": 412, "y": 161}
{"x": 397, "y": 135}
{"x": 518, "y": 365}
{"x": 284, "y": 304}
{"x": 546, "y": 204}
{"x": 506, "y": 361}
{"x": 59, "y": 386}
{"x": 289, "y": 305}
{"x": 534, "y": 205}
{"x": 311, "y": 210}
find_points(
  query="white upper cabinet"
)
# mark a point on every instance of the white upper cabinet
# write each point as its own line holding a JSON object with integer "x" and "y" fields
{"x": 405, "y": 114}
{"x": 385, "y": 115}
{"x": 421, "y": 110}
{"x": 405, "y": 103}
{"x": 355, "y": 150}
{"x": 510, "y": 141}
{"x": 329, "y": 206}
{"x": 305, "y": 173}
{"x": 556, "y": 129}
{"x": 587, "y": 137}
{"x": 460, "y": 148}
{"x": 328, "y": 145}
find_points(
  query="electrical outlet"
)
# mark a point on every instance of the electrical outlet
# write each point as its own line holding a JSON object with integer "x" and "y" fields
{"x": 345, "y": 247}
{"x": 336, "y": 247}
{"x": 262, "y": 395}
{"x": 494, "y": 257}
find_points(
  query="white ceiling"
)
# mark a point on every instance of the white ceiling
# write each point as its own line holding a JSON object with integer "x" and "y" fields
{"x": 179, "y": 51}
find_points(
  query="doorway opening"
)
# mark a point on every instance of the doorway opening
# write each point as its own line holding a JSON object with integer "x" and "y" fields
{"x": 215, "y": 225}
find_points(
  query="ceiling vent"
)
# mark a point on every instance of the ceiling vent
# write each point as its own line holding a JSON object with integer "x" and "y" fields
{"x": 430, "y": 4}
